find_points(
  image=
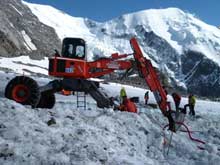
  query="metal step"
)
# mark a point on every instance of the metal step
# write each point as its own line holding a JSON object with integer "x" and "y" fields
{"x": 81, "y": 100}
{"x": 101, "y": 98}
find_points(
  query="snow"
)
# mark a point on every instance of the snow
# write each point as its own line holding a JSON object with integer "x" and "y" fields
{"x": 103, "y": 136}
{"x": 68, "y": 26}
{"x": 157, "y": 20}
{"x": 64, "y": 24}
{"x": 28, "y": 43}
{"x": 16, "y": 9}
{"x": 25, "y": 65}
{"x": 210, "y": 53}
{"x": 181, "y": 30}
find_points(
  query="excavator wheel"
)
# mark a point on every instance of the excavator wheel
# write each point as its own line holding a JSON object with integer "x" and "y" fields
{"x": 47, "y": 100}
{"x": 23, "y": 90}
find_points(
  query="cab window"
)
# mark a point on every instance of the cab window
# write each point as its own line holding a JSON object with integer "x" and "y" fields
{"x": 80, "y": 51}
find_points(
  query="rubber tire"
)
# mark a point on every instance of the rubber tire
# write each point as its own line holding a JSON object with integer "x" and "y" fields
{"x": 47, "y": 100}
{"x": 32, "y": 86}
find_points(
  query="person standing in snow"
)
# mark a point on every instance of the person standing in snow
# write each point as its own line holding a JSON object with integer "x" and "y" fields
{"x": 177, "y": 99}
{"x": 146, "y": 97}
{"x": 123, "y": 94}
{"x": 191, "y": 104}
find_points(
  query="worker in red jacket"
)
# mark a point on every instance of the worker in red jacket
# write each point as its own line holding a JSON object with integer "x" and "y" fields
{"x": 177, "y": 99}
{"x": 128, "y": 105}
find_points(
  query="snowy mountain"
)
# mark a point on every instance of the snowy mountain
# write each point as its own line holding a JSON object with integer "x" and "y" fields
{"x": 181, "y": 46}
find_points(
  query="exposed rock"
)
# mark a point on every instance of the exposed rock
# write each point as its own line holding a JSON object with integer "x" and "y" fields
{"x": 22, "y": 33}
{"x": 198, "y": 69}
{"x": 51, "y": 121}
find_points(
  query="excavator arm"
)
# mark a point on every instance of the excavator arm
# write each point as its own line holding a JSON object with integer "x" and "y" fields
{"x": 147, "y": 71}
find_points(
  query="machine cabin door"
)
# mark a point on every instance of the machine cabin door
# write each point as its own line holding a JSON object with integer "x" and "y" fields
{"x": 74, "y": 48}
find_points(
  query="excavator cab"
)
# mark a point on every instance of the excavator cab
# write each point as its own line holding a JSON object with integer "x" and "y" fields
{"x": 74, "y": 48}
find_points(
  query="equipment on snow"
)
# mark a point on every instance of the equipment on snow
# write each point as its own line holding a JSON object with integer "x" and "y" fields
{"x": 74, "y": 70}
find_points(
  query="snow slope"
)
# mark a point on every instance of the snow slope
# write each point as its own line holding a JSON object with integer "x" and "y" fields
{"x": 182, "y": 30}
{"x": 64, "y": 24}
{"x": 25, "y": 65}
{"x": 68, "y": 26}
{"x": 103, "y": 136}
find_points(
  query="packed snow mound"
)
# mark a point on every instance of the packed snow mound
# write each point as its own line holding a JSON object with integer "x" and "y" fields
{"x": 98, "y": 137}
{"x": 67, "y": 135}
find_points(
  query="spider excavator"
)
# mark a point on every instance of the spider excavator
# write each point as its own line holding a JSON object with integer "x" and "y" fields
{"x": 74, "y": 71}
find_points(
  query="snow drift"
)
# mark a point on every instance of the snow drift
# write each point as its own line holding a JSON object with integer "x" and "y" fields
{"x": 67, "y": 135}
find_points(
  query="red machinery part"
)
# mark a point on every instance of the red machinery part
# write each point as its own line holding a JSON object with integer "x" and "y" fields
{"x": 149, "y": 74}
{"x": 20, "y": 93}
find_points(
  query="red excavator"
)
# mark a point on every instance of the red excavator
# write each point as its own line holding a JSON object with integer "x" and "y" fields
{"x": 75, "y": 71}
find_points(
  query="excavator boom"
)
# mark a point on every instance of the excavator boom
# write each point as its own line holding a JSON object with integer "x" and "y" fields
{"x": 147, "y": 71}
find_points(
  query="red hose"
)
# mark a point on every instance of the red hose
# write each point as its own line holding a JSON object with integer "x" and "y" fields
{"x": 189, "y": 133}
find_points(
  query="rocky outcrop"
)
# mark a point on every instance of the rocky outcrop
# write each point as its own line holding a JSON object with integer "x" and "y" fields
{"x": 202, "y": 75}
{"x": 22, "y": 33}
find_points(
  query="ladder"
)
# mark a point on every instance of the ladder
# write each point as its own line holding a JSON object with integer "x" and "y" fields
{"x": 81, "y": 100}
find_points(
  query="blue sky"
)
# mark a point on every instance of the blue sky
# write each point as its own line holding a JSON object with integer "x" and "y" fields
{"x": 104, "y": 10}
